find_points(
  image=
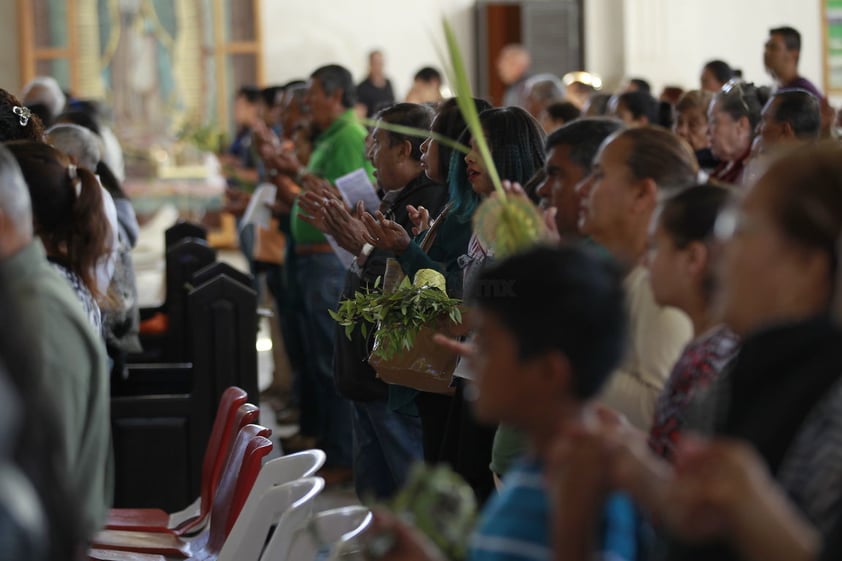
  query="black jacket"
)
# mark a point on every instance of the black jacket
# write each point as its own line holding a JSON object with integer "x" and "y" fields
{"x": 779, "y": 377}
{"x": 355, "y": 379}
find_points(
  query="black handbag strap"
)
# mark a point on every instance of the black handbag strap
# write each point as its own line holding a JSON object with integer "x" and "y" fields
{"x": 434, "y": 229}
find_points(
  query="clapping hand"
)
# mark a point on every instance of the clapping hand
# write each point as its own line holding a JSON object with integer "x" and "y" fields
{"x": 312, "y": 182}
{"x": 348, "y": 229}
{"x": 312, "y": 204}
{"x": 264, "y": 136}
{"x": 420, "y": 218}
{"x": 385, "y": 234}
{"x": 513, "y": 189}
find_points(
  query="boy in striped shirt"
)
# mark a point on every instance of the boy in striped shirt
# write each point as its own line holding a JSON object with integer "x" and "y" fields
{"x": 550, "y": 328}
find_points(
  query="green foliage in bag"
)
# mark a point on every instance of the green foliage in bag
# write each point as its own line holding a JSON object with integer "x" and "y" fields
{"x": 400, "y": 313}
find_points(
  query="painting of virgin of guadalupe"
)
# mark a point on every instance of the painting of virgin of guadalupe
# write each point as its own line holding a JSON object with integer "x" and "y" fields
{"x": 151, "y": 65}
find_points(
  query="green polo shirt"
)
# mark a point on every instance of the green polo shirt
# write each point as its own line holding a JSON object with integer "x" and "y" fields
{"x": 337, "y": 151}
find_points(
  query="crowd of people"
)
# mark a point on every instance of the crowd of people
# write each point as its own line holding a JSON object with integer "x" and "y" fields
{"x": 661, "y": 378}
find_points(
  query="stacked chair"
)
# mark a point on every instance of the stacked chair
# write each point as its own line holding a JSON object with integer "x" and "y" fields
{"x": 243, "y": 499}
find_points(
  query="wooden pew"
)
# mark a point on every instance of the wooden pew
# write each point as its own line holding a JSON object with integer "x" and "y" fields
{"x": 162, "y": 413}
{"x": 217, "y": 268}
{"x": 168, "y": 342}
{"x": 182, "y": 230}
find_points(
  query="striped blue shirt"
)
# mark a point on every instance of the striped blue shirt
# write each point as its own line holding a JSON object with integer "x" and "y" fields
{"x": 515, "y": 523}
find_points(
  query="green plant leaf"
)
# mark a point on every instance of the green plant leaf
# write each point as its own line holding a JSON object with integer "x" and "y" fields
{"x": 418, "y": 133}
{"x": 398, "y": 316}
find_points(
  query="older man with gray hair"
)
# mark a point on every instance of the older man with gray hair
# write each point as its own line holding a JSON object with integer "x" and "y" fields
{"x": 541, "y": 90}
{"x": 82, "y": 145}
{"x": 71, "y": 375}
{"x": 45, "y": 91}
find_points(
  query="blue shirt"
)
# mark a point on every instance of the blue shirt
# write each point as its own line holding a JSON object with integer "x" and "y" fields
{"x": 515, "y": 523}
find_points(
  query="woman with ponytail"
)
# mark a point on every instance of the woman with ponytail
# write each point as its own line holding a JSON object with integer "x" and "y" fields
{"x": 68, "y": 217}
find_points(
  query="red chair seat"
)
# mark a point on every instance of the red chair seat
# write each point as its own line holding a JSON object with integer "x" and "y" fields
{"x": 239, "y": 473}
{"x": 109, "y": 555}
{"x": 233, "y": 413}
{"x": 137, "y": 519}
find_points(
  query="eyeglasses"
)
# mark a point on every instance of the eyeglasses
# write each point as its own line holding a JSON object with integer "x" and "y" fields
{"x": 735, "y": 87}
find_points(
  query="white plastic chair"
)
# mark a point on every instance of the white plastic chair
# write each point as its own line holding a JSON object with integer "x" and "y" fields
{"x": 328, "y": 528}
{"x": 292, "y": 523}
{"x": 274, "y": 473}
{"x": 282, "y": 504}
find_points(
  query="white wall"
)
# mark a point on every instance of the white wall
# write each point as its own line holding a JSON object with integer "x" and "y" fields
{"x": 668, "y": 41}
{"x": 605, "y": 52}
{"x": 300, "y": 36}
{"x": 665, "y": 41}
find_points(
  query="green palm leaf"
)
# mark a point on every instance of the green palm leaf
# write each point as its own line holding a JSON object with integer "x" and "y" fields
{"x": 416, "y": 132}
{"x": 503, "y": 224}
{"x": 465, "y": 100}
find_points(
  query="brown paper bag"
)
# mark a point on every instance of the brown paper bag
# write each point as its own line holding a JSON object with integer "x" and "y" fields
{"x": 269, "y": 244}
{"x": 427, "y": 366}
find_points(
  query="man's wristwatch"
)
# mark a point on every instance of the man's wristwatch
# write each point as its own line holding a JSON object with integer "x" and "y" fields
{"x": 363, "y": 256}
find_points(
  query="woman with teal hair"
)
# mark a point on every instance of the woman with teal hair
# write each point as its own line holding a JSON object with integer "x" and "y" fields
{"x": 516, "y": 142}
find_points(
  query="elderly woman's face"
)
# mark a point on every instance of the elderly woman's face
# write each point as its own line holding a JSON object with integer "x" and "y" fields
{"x": 729, "y": 138}
{"x": 692, "y": 125}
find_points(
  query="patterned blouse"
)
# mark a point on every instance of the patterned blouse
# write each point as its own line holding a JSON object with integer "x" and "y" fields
{"x": 701, "y": 362}
{"x": 89, "y": 304}
{"x": 472, "y": 262}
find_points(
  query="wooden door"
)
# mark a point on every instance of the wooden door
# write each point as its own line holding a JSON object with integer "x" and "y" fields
{"x": 550, "y": 30}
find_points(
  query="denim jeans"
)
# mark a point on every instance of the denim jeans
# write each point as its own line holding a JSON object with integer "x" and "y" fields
{"x": 386, "y": 444}
{"x": 282, "y": 285}
{"x": 320, "y": 280}
{"x": 247, "y": 238}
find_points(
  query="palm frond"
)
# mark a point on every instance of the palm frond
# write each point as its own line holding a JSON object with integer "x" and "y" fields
{"x": 416, "y": 132}
{"x": 465, "y": 100}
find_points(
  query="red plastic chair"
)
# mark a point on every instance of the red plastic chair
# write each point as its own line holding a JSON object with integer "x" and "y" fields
{"x": 226, "y": 511}
{"x": 240, "y": 472}
{"x": 247, "y": 414}
{"x": 191, "y": 520}
{"x": 230, "y": 418}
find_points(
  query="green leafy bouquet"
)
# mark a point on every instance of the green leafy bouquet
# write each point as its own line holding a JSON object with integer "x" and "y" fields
{"x": 400, "y": 313}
